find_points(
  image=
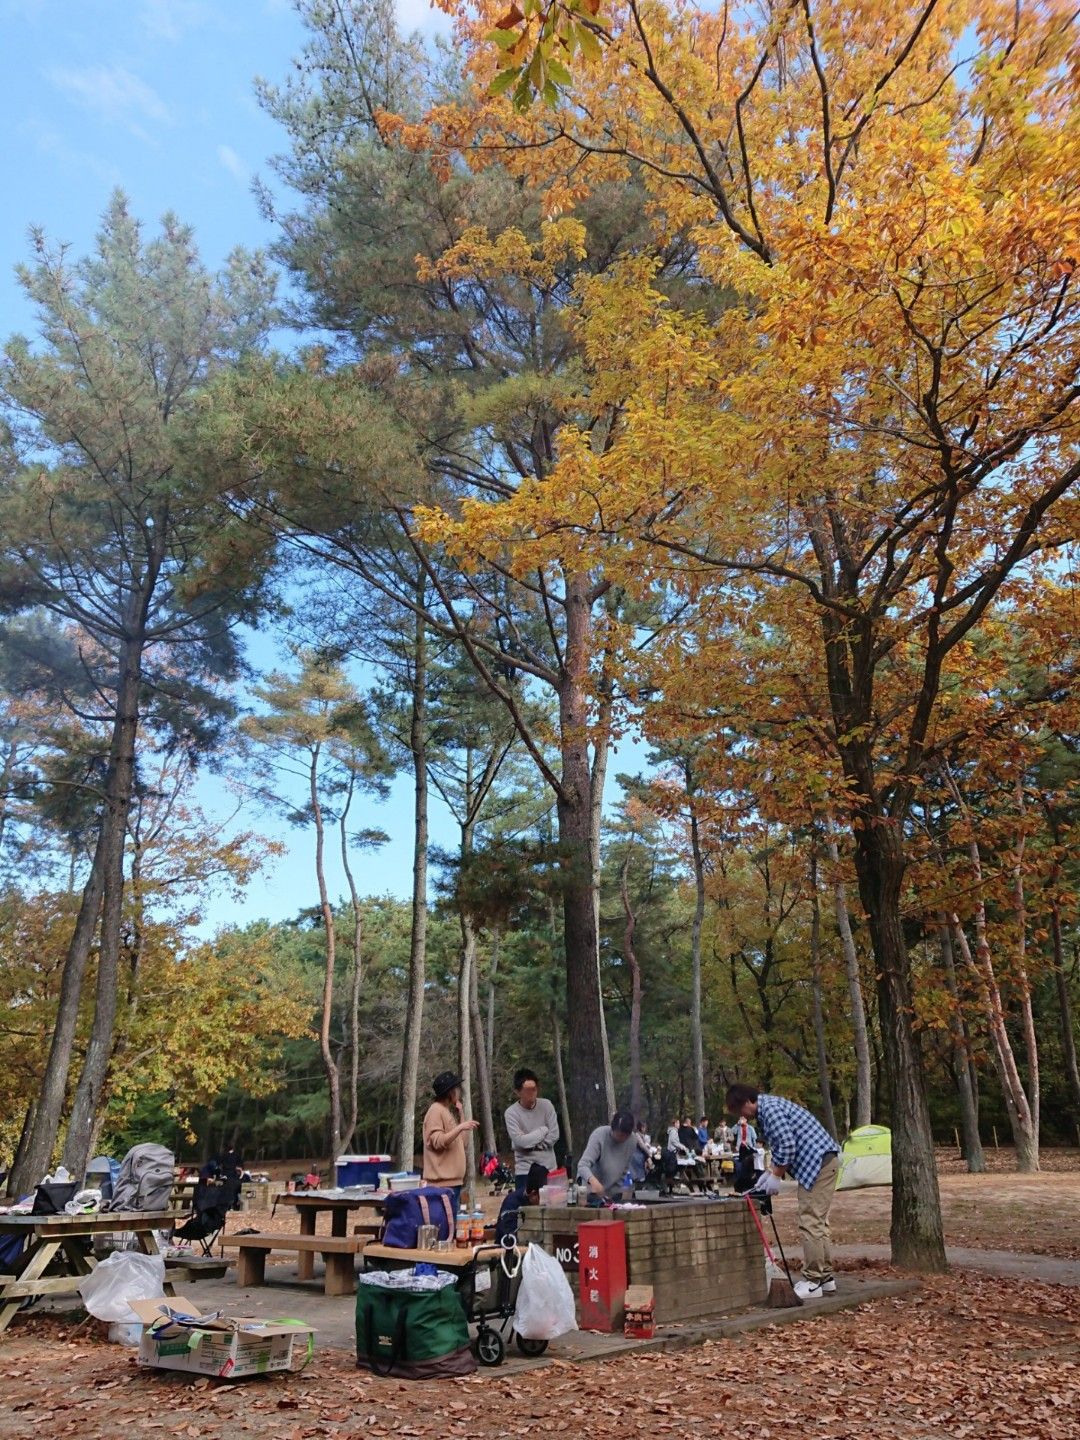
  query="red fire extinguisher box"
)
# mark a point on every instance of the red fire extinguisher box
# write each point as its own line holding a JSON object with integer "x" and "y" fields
{"x": 601, "y": 1275}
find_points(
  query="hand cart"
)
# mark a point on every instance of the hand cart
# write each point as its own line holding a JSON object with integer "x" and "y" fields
{"x": 487, "y": 1280}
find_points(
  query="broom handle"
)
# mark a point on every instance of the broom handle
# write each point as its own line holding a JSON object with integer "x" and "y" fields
{"x": 780, "y": 1247}
{"x": 757, "y": 1222}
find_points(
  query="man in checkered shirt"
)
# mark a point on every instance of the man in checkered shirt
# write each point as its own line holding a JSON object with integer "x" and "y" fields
{"x": 802, "y": 1148}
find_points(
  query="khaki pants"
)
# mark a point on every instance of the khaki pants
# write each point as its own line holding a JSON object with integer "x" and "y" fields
{"x": 814, "y": 1222}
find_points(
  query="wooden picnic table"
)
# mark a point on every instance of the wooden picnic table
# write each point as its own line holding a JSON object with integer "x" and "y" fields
{"x": 53, "y": 1243}
{"x": 310, "y": 1203}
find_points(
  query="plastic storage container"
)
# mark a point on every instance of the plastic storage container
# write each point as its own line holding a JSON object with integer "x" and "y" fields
{"x": 361, "y": 1169}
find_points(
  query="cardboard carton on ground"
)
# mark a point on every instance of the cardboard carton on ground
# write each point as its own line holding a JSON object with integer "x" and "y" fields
{"x": 228, "y": 1346}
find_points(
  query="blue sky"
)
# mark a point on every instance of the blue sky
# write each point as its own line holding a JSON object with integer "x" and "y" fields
{"x": 156, "y": 96}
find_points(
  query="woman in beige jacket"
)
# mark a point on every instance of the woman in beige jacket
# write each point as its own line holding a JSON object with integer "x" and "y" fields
{"x": 444, "y": 1136}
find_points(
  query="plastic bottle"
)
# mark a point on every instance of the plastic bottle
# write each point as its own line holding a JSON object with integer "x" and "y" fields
{"x": 477, "y": 1230}
{"x": 572, "y": 1193}
{"x": 461, "y": 1234}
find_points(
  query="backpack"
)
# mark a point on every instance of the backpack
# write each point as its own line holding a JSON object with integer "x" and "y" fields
{"x": 411, "y": 1334}
{"x": 145, "y": 1182}
{"x": 404, "y": 1211}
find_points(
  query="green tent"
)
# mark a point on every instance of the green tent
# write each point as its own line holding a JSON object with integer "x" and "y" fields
{"x": 866, "y": 1158}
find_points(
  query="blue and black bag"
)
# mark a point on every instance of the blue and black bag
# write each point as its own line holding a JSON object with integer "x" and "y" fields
{"x": 404, "y": 1211}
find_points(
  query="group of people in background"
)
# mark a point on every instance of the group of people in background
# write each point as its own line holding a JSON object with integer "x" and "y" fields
{"x": 617, "y": 1155}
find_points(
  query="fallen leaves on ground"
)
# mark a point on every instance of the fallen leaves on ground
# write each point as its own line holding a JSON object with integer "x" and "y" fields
{"x": 968, "y": 1355}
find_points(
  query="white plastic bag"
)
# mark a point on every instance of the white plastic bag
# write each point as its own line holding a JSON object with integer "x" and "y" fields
{"x": 545, "y": 1302}
{"x": 122, "y": 1276}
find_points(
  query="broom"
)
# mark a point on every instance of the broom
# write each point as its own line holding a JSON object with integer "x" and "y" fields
{"x": 781, "y": 1290}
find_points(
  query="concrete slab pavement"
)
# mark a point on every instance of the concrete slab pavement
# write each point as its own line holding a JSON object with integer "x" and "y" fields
{"x": 332, "y": 1317}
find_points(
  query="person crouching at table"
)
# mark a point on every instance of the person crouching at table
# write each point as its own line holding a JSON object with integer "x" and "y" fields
{"x": 608, "y": 1158}
{"x": 506, "y": 1227}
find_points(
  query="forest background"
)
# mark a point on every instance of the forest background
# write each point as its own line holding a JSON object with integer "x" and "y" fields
{"x": 517, "y": 485}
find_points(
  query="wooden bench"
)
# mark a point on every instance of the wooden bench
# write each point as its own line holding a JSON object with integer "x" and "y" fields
{"x": 187, "y": 1269}
{"x": 371, "y": 1228}
{"x": 337, "y": 1252}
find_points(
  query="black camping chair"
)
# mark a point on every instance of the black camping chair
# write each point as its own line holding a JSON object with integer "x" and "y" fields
{"x": 209, "y": 1211}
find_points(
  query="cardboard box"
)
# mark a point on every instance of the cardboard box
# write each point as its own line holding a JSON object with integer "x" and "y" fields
{"x": 227, "y": 1346}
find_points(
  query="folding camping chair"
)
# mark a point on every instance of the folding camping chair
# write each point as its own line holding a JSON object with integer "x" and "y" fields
{"x": 209, "y": 1211}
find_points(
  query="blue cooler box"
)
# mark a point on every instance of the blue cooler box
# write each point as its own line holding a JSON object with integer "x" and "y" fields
{"x": 362, "y": 1169}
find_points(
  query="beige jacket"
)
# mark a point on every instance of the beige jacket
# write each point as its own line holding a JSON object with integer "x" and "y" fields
{"x": 444, "y": 1153}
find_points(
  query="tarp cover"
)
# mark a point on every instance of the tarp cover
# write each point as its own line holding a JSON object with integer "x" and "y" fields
{"x": 866, "y": 1158}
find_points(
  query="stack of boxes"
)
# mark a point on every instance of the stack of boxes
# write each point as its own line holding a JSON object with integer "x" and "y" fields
{"x": 700, "y": 1257}
{"x": 639, "y": 1321}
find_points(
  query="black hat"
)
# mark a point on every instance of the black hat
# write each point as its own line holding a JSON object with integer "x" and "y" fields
{"x": 537, "y": 1176}
{"x": 444, "y": 1083}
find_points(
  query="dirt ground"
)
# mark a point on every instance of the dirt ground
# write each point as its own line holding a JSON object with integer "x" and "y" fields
{"x": 1032, "y": 1214}
{"x": 967, "y": 1356}
{"x": 1000, "y": 1210}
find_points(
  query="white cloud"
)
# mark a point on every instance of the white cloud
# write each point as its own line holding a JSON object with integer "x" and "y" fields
{"x": 232, "y": 162}
{"x": 422, "y": 15}
{"x": 170, "y": 19}
{"x": 114, "y": 94}
{"x": 49, "y": 142}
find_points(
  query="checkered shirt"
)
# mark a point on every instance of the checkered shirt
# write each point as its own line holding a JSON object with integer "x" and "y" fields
{"x": 797, "y": 1141}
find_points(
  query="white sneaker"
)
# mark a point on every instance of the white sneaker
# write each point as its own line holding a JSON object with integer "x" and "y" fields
{"x": 815, "y": 1289}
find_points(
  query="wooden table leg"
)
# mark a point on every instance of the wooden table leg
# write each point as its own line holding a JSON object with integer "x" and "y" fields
{"x": 305, "y": 1261}
{"x": 340, "y": 1279}
{"x": 250, "y": 1267}
{"x": 35, "y": 1262}
{"x": 147, "y": 1241}
{"x": 339, "y": 1222}
{"x": 81, "y": 1263}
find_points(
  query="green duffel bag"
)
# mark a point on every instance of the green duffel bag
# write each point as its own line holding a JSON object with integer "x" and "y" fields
{"x": 412, "y": 1334}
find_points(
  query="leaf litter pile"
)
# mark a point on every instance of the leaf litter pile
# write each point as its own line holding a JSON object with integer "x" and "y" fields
{"x": 968, "y": 1355}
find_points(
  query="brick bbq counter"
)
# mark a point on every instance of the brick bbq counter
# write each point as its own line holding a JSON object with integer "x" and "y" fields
{"x": 702, "y": 1257}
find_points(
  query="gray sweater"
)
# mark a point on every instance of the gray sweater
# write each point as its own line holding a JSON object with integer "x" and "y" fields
{"x": 532, "y": 1134}
{"x": 606, "y": 1158}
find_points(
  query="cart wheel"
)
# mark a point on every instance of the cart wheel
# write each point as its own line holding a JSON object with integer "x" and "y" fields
{"x": 530, "y": 1347}
{"x": 489, "y": 1347}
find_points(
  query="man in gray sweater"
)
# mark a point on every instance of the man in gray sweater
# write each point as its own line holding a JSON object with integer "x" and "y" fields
{"x": 607, "y": 1157}
{"x": 533, "y": 1127}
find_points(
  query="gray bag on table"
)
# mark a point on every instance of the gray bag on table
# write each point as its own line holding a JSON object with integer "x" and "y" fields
{"x": 145, "y": 1182}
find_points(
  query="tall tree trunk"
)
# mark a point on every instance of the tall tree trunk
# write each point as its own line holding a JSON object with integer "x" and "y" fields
{"x": 483, "y": 1074}
{"x": 489, "y": 1038}
{"x": 630, "y": 956}
{"x": 1029, "y": 1160}
{"x": 598, "y": 778}
{"x": 863, "y": 1084}
{"x": 1068, "y": 1035}
{"x": 824, "y": 1082}
{"x": 1023, "y": 1117}
{"x": 329, "y": 1064}
{"x": 697, "y": 1049}
{"x": 414, "y": 1004}
{"x": 356, "y": 978}
{"x": 961, "y": 1066}
{"x": 465, "y": 971}
{"x": 588, "y": 1087}
{"x": 36, "y": 1149}
{"x": 24, "y": 1138}
{"x": 465, "y": 1049}
{"x": 916, "y": 1230}
{"x": 560, "y": 1080}
{"x": 119, "y": 784}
